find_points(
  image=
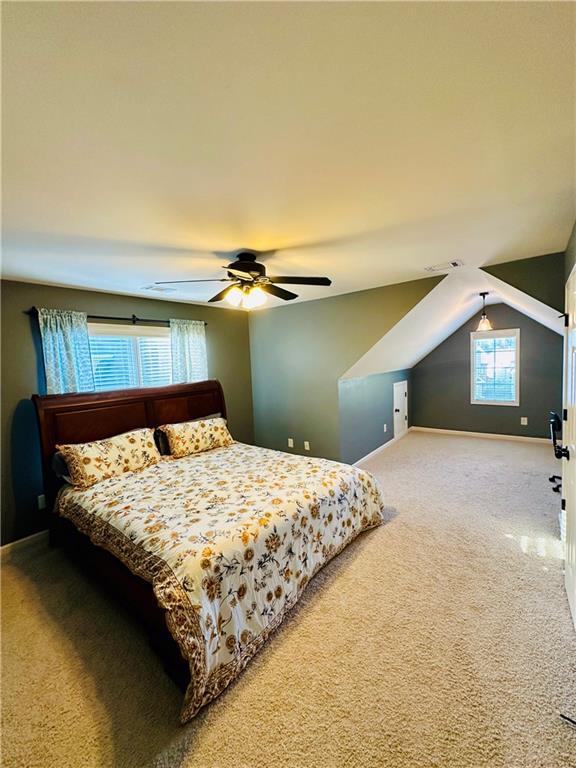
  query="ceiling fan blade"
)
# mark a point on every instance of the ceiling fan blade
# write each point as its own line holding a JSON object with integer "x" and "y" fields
{"x": 278, "y": 292}
{"x": 209, "y": 280}
{"x": 301, "y": 280}
{"x": 222, "y": 294}
{"x": 239, "y": 273}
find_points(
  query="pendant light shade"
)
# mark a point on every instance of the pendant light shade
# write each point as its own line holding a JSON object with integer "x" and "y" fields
{"x": 484, "y": 324}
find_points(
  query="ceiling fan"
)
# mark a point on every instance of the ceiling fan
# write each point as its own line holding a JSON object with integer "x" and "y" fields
{"x": 249, "y": 282}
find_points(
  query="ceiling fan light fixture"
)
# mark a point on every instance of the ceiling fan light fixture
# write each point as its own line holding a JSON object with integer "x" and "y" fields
{"x": 248, "y": 284}
{"x": 254, "y": 297}
{"x": 235, "y": 296}
{"x": 484, "y": 324}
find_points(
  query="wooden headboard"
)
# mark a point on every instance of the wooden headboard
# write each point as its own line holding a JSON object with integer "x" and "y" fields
{"x": 80, "y": 418}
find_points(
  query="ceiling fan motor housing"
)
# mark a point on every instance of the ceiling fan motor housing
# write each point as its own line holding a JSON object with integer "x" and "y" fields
{"x": 246, "y": 262}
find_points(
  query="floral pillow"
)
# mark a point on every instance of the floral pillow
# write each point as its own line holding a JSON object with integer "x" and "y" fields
{"x": 90, "y": 463}
{"x": 196, "y": 436}
{"x": 162, "y": 439}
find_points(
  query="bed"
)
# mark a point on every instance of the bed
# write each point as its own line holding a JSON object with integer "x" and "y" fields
{"x": 217, "y": 546}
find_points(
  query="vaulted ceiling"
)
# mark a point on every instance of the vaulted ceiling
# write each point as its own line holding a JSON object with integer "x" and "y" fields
{"x": 441, "y": 312}
{"x": 364, "y": 141}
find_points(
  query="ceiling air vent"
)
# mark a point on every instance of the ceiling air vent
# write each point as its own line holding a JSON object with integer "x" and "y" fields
{"x": 447, "y": 266}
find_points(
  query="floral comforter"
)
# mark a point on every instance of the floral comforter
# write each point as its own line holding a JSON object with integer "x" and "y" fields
{"x": 228, "y": 539}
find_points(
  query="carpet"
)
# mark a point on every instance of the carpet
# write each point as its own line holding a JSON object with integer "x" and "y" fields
{"x": 442, "y": 638}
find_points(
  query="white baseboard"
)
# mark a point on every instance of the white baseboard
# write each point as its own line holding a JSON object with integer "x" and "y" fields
{"x": 380, "y": 448}
{"x": 28, "y": 541}
{"x": 486, "y": 435}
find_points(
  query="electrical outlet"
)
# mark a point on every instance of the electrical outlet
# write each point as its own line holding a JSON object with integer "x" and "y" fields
{"x": 290, "y": 442}
{"x": 306, "y": 445}
{"x": 41, "y": 501}
{"x": 385, "y": 427}
{"x": 524, "y": 421}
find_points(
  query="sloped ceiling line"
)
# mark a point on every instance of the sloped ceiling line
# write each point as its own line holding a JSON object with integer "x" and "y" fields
{"x": 441, "y": 312}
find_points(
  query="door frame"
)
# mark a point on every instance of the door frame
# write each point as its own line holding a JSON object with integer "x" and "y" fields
{"x": 569, "y": 441}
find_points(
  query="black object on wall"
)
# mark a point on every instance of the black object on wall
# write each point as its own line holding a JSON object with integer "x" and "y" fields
{"x": 441, "y": 381}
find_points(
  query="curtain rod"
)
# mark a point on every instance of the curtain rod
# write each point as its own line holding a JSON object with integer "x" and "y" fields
{"x": 133, "y": 319}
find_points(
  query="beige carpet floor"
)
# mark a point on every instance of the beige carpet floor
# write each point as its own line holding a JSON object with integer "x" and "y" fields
{"x": 443, "y": 638}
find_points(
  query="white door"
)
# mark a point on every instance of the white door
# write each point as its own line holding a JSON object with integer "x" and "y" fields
{"x": 569, "y": 440}
{"x": 400, "y": 408}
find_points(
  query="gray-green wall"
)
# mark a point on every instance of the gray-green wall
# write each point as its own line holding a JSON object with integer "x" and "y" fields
{"x": 441, "y": 381}
{"x": 366, "y": 404}
{"x": 541, "y": 277}
{"x": 228, "y": 360}
{"x": 299, "y": 352}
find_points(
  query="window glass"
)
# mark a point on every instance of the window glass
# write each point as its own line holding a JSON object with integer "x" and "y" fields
{"x": 124, "y": 358}
{"x": 495, "y": 371}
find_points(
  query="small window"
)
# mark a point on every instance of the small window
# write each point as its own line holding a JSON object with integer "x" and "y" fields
{"x": 130, "y": 356}
{"x": 494, "y": 358}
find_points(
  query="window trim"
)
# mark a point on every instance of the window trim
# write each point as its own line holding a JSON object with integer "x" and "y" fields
{"x": 499, "y": 334}
{"x": 125, "y": 329}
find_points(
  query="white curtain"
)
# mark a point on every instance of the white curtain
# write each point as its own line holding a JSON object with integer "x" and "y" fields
{"x": 66, "y": 348}
{"x": 189, "y": 362}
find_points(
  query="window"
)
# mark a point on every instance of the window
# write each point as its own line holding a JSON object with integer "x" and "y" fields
{"x": 126, "y": 356}
{"x": 494, "y": 357}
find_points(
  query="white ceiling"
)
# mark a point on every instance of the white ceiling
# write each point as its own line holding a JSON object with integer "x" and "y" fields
{"x": 441, "y": 312}
{"x": 376, "y": 138}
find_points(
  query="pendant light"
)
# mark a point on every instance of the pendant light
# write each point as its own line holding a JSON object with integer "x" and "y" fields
{"x": 484, "y": 324}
